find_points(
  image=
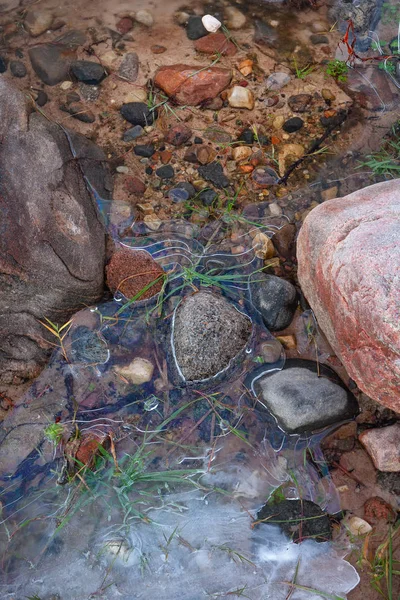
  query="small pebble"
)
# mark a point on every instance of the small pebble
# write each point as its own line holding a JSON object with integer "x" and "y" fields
{"x": 144, "y": 17}
{"x": 275, "y": 209}
{"x": 235, "y": 19}
{"x": 178, "y": 195}
{"x": 277, "y": 81}
{"x": 133, "y": 133}
{"x": 122, "y": 169}
{"x": 317, "y": 38}
{"x": 157, "y": 49}
{"x": 166, "y": 172}
{"x": 146, "y": 150}
{"x": 292, "y": 125}
{"x": 18, "y": 68}
{"x": 88, "y": 71}
{"x": 3, "y": 64}
{"x": 207, "y": 197}
{"x": 41, "y": 98}
{"x": 195, "y": 28}
{"x": 138, "y": 113}
{"x": 66, "y": 85}
{"x": 211, "y": 23}
{"x": 129, "y": 68}
{"x": 240, "y": 97}
{"x": 124, "y": 25}
{"x": 265, "y": 176}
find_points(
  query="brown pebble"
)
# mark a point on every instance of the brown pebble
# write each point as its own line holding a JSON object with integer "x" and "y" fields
{"x": 124, "y": 25}
{"x": 272, "y": 101}
{"x": 156, "y": 49}
{"x": 165, "y": 156}
{"x": 134, "y": 185}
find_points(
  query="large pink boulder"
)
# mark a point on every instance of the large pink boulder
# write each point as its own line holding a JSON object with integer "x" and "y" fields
{"x": 348, "y": 252}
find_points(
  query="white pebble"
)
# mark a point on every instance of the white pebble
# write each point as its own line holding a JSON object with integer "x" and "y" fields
{"x": 66, "y": 85}
{"x": 211, "y": 23}
{"x": 145, "y": 18}
{"x": 122, "y": 169}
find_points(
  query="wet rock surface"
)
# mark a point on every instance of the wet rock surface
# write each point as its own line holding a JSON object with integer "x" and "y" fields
{"x": 354, "y": 295}
{"x": 303, "y": 397}
{"x": 53, "y": 254}
{"x": 135, "y": 274}
{"x": 208, "y": 334}
{"x": 275, "y": 298}
{"x": 299, "y": 519}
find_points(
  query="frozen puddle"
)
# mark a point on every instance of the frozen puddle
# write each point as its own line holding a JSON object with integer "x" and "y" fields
{"x": 179, "y": 470}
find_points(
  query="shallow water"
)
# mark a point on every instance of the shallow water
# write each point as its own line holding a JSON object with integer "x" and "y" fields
{"x": 169, "y": 509}
{"x": 197, "y": 461}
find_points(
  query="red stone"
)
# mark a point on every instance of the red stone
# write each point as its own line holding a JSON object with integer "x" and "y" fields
{"x": 124, "y": 25}
{"x": 215, "y": 43}
{"x": 134, "y": 273}
{"x": 165, "y": 156}
{"x": 134, "y": 185}
{"x": 178, "y": 135}
{"x": 376, "y": 509}
{"x": 348, "y": 254}
{"x": 192, "y": 85}
{"x": 89, "y": 448}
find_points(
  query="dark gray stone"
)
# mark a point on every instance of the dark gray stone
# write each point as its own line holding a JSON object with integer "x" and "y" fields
{"x": 208, "y": 333}
{"x": 50, "y": 62}
{"x": 79, "y": 112}
{"x": 138, "y": 113}
{"x": 292, "y": 125}
{"x": 3, "y": 64}
{"x": 90, "y": 93}
{"x": 166, "y": 172}
{"x": 133, "y": 133}
{"x": 195, "y": 28}
{"x": 185, "y": 185}
{"x": 207, "y": 197}
{"x": 145, "y": 150}
{"x": 304, "y": 397}
{"x": 214, "y": 172}
{"x": 52, "y": 243}
{"x": 18, "y": 68}
{"x": 318, "y": 38}
{"x": 87, "y": 71}
{"x": 41, "y": 98}
{"x": 275, "y": 299}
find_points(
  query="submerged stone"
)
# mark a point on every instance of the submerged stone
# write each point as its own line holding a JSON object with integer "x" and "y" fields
{"x": 87, "y": 347}
{"x": 304, "y": 396}
{"x": 208, "y": 333}
{"x": 298, "y": 519}
{"x": 276, "y": 300}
